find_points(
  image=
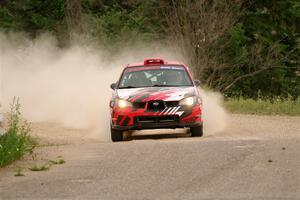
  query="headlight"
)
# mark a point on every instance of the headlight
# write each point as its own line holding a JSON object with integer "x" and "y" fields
{"x": 189, "y": 101}
{"x": 121, "y": 103}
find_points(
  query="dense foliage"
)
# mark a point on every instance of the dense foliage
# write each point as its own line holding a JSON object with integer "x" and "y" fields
{"x": 244, "y": 48}
{"x": 273, "y": 28}
{"x": 32, "y": 16}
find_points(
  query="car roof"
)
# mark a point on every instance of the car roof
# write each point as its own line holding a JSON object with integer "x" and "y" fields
{"x": 148, "y": 62}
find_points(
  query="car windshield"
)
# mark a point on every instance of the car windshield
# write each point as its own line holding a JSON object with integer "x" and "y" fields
{"x": 155, "y": 76}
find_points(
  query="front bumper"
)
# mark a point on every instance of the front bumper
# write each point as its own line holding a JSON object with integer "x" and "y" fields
{"x": 169, "y": 125}
{"x": 130, "y": 121}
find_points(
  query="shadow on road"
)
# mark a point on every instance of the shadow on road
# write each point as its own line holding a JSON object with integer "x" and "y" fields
{"x": 156, "y": 136}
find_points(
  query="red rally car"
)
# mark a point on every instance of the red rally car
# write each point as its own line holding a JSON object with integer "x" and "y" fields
{"x": 155, "y": 94}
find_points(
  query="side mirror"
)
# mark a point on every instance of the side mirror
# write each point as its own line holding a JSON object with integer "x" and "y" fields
{"x": 113, "y": 86}
{"x": 197, "y": 83}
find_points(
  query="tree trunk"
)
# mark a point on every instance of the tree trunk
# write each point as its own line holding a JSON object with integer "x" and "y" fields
{"x": 73, "y": 19}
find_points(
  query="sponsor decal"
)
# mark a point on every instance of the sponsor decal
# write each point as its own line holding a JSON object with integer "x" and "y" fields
{"x": 172, "y": 111}
{"x": 142, "y": 68}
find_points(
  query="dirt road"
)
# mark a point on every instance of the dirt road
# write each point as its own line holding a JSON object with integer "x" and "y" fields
{"x": 256, "y": 157}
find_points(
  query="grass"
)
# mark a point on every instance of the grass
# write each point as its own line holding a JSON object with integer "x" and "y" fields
{"x": 19, "y": 172}
{"x": 15, "y": 142}
{"x": 57, "y": 162}
{"x": 43, "y": 167}
{"x": 46, "y": 166}
{"x": 264, "y": 107}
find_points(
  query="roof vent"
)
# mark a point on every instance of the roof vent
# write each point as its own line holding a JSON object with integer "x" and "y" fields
{"x": 154, "y": 61}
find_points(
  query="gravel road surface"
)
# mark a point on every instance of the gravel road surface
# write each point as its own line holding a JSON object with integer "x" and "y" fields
{"x": 256, "y": 157}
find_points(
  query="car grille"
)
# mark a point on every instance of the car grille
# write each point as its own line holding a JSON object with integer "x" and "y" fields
{"x": 172, "y": 103}
{"x": 157, "y": 119}
{"x": 156, "y": 105}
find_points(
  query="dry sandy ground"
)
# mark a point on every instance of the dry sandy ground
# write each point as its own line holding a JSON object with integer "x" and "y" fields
{"x": 256, "y": 157}
{"x": 239, "y": 127}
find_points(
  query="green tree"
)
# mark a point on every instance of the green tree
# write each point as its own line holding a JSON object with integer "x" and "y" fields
{"x": 119, "y": 22}
{"x": 32, "y": 16}
{"x": 265, "y": 44}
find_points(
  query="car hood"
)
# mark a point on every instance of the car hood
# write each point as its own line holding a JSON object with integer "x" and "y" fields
{"x": 156, "y": 93}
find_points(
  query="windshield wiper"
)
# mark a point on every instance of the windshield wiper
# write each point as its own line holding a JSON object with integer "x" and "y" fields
{"x": 127, "y": 87}
{"x": 159, "y": 85}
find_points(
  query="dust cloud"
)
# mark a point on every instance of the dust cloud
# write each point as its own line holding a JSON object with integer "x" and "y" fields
{"x": 215, "y": 117}
{"x": 71, "y": 86}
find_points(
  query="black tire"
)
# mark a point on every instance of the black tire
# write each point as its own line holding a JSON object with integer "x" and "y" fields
{"x": 197, "y": 131}
{"x": 116, "y": 135}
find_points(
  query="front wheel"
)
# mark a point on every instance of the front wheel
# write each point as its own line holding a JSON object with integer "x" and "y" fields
{"x": 116, "y": 135}
{"x": 197, "y": 131}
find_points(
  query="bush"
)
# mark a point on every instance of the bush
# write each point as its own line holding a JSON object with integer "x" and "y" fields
{"x": 16, "y": 140}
